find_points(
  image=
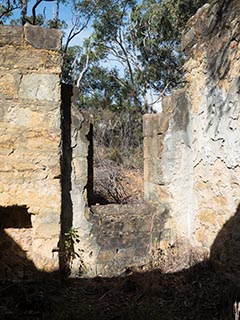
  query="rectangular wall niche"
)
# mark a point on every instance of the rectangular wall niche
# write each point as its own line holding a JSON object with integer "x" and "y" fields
{"x": 15, "y": 217}
{"x": 15, "y": 243}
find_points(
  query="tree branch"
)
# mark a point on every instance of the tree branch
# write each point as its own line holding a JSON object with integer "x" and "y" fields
{"x": 35, "y": 7}
{"x": 85, "y": 67}
{"x": 34, "y": 11}
{"x": 8, "y": 10}
{"x": 72, "y": 34}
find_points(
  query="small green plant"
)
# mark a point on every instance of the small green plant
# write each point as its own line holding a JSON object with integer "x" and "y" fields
{"x": 71, "y": 239}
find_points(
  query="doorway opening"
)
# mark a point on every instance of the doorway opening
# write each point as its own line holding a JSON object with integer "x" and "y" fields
{"x": 118, "y": 157}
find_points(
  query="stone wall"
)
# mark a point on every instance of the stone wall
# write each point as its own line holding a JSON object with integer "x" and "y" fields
{"x": 112, "y": 237}
{"x": 125, "y": 235}
{"x": 30, "y": 139}
{"x": 192, "y": 148}
{"x": 46, "y": 153}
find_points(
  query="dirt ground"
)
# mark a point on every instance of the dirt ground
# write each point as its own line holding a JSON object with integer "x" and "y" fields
{"x": 199, "y": 292}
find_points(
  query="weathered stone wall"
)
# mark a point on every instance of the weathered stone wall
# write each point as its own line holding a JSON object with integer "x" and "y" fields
{"x": 112, "y": 237}
{"x": 192, "y": 148}
{"x": 30, "y": 139}
{"x": 191, "y": 158}
{"x": 126, "y": 235}
{"x": 167, "y": 168}
{"x": 46, "y": 176}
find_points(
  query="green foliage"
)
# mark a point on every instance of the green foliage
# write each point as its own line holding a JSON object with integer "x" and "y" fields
{"x": 71, "y": 239}
{"x": 120, "y": 131}
{"x": 21, "y": 7}
{"x": 144, "y": 39}
{"x": 141, "y": 37}
{"x": 103, "y": 88}
{"x": 155, "y": 40}
{"x": 156, "y": 34}
{"x": 111, "y": 18}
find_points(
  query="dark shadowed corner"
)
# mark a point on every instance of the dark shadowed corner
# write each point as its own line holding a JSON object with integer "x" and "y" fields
{"x": 226, "y": 247}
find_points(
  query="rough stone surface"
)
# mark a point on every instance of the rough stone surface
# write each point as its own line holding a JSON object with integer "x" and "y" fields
{"x": 33, "y": 86}
{"x": 40, "y": 38}
{"x": 195, "y": 165}
{"x": 30, "y": 139}
{"x": 125, "y": 235}
{"x": 11, "y": 36}
{"x": 77, "y": 180}
{"x": 112, "y": 238}
{"x": 81, "y": 140}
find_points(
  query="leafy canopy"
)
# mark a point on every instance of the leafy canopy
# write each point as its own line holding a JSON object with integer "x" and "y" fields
{"x": 143, "y": 38}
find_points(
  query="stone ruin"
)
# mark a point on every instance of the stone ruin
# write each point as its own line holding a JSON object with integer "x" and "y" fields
{"x": 191, "y": 158}
{"x": 192, "y": 148}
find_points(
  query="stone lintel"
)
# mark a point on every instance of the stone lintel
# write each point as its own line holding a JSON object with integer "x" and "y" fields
{"x": 40, "y": 38}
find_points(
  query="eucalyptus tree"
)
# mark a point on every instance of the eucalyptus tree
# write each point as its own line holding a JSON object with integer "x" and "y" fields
{"x": 144, "y": 37}
{"x": 6, "y": 9}
{"x": 28, "y": 11}
{"x": 156, "y": 29}
{"x": 111, "y": 39}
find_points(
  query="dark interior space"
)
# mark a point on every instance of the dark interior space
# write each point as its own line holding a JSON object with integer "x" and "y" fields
{"x": 15, "y": 217}
{"x": 13, "y": 261}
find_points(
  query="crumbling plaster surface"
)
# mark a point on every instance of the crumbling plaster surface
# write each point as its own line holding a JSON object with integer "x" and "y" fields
{"x": 197, "y": 169}
{"x": 213, "y": 73}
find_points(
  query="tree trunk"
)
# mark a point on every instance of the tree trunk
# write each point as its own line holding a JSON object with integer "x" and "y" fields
{"x": 24, "y": 4}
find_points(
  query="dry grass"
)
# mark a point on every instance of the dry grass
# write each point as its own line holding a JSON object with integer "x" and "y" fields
{"x": 114, "y": 180}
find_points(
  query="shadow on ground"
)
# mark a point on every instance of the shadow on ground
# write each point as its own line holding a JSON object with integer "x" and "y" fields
{"x": 206, "y": 291}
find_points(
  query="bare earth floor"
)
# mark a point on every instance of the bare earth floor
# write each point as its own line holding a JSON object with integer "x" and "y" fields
{"x": 200, "y": 292}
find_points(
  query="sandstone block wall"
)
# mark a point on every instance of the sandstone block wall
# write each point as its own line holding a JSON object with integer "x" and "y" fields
{"x": 46, "y": 175}
{"x": 30, "y": 139}
{"x": 167, "y": 169}
{"x": 192, "y": 148}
